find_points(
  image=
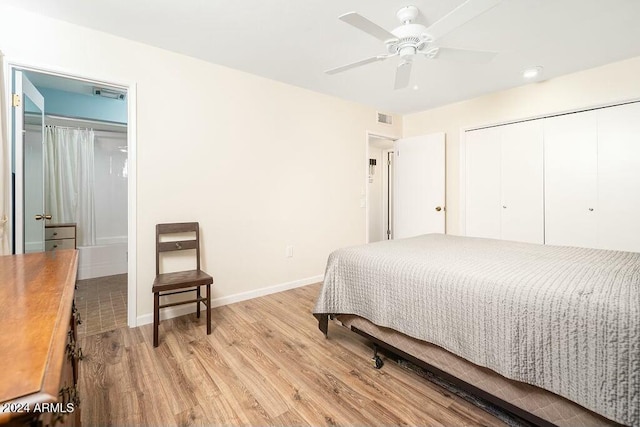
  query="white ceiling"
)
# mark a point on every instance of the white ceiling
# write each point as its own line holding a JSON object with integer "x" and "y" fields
{"x": 295, "y": 41}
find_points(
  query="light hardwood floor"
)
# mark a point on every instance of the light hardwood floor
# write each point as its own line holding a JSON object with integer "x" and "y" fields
{"x": 265, "y": 363}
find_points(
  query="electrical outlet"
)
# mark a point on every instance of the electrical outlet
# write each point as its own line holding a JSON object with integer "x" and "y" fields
{"x": 289, "y": 251}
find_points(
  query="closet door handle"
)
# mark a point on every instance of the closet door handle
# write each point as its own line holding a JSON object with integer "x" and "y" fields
{"x": 438, "y": 208}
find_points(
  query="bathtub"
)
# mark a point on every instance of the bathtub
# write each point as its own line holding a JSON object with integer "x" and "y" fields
{"x": 106, "y": 258}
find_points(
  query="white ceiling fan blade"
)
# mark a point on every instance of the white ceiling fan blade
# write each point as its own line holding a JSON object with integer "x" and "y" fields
{"x": 356, "y": 64}
{"x": 459, "y": 16}
{"x": 362, "y": 23}
{"x": 403, "y": 73}
{"x": 464, "y": 55}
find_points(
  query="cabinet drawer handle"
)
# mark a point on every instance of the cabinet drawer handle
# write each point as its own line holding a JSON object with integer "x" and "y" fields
{"x": 75, "y": 313}
{"x": 55, "y": 233}
{"x": 590, "y": 209}
{"x": 75, "y": 396}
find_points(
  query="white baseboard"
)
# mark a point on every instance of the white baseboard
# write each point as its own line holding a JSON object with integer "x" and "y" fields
{"x": 172, "y": 312}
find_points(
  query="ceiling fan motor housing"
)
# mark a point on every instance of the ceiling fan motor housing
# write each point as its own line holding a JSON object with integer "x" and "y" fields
{"x": 411, "y": 38}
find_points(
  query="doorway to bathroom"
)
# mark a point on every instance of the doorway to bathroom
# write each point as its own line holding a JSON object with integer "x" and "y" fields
{"x": 380, "y": 176}
{"x": 70, "y": 185}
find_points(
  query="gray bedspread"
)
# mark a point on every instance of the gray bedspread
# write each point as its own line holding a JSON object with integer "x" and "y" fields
{"x": 561, "y": 318}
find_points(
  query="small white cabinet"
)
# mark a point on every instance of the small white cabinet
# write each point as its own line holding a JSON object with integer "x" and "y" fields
{"x": 59, "y": 236}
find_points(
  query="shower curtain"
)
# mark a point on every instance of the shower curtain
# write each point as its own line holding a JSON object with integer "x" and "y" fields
{"x": 69, "y": 179}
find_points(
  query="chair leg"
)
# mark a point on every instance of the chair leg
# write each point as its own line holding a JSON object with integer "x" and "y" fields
{"x": 198, "y": 303}
{"x": 156, "y": 317}
{"x": 208, "y": 309}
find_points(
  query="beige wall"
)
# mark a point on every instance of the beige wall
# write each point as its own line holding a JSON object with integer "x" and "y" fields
{"x": 598, "y": 86}
{"x": 260, "y": 164}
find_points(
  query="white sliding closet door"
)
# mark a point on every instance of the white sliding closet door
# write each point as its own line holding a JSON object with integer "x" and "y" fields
{"x": 571, "y": 159}
{"x": 619, "y": 178}
{"x": 522, "y": 180}
{"x": 483, "y": 183}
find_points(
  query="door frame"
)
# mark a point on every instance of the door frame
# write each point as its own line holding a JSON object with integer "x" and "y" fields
{"x": 130, "y": 86}
{"x": 18, "y": 128}
{"x": 365, "y": 192}
{"x": 387, "y": 192}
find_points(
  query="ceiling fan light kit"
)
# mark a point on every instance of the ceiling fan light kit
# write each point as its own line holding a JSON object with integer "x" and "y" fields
{"x": 411, "y": 39}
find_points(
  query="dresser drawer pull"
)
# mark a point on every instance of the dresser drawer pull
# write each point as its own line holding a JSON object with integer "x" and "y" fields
{"x": 64, "y": 394}
{"x": 76, "y": 314}
{"x": 78, "y": 355}
{"x": 74, "y": 352}
{"x": 75, "y": 396}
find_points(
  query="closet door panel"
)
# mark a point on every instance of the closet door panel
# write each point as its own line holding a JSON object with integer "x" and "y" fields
{"x": 483, "y": 183}
{"x": 619, "y": 178}
{"x": 522, "y": 207}
{"x": 571, "y": 155}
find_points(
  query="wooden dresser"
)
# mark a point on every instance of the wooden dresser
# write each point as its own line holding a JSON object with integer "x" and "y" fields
{"x": 39, "y": 354}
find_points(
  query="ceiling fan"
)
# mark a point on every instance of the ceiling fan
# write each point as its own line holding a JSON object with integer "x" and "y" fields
{"x": 411, "y": 39}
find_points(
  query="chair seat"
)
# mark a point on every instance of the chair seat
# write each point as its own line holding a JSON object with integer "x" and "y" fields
{"x": 181, "y": 279}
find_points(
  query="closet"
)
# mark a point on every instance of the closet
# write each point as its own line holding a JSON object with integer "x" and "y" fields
{"x": 571, "y": 193}
{"x": 504, "y": 182}
{"x": 572, "y": 179}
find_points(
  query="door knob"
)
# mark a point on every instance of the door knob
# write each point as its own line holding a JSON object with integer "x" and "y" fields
{"x": 438, "y": 208}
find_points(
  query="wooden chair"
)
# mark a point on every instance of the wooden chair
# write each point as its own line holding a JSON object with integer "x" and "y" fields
{"x": 176, "y": 283}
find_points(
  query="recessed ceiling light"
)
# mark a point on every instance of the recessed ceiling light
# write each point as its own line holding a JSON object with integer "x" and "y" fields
{"x": 532, "y": 73}
{"x": 415, "y": 87}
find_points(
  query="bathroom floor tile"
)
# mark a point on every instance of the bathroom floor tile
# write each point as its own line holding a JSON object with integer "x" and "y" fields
{"x": 102, "y": 303}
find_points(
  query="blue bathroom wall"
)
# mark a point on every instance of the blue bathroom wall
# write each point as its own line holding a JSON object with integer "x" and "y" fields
{"x": 79, "y": 105}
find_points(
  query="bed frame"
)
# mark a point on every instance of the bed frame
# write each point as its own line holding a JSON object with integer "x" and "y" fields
{"x": 323, "y": 325}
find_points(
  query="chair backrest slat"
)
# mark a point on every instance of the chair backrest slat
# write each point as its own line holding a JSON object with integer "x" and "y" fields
{"x": 177, "y": 227}
{"x": 178, "y": 245}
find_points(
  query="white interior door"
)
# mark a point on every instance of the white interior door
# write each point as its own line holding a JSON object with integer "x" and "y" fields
{"x": 619, "y": 178}
{"x": 482, "y": 157}
{"x": 571, "y": 160}
{"x": 419, "y": 185}
{"x": 522, "y": 160}
{"x": 28, "y": 148}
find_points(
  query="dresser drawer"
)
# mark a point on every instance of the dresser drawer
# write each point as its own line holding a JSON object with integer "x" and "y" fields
{"x": 50, "y": 245}
{"x": 59, "y": 233}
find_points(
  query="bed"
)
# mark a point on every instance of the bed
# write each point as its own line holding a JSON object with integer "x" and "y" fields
{"x": 549, "y": 332}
